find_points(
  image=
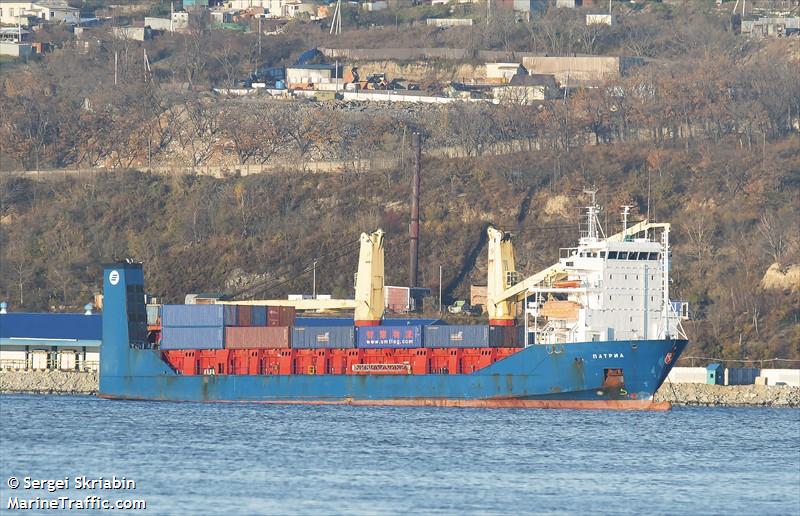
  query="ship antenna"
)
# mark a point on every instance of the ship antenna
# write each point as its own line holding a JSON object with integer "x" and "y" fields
{"x": 626, "y": 210}
{"x": 591, "y": 214}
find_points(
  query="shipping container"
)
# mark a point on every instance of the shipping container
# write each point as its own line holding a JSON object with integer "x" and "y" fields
{"x": 397, "y": 299}
{"x": 259, "y": 316}
{"x": 245, "y": 316}
{"x": 281, "y": 316}
{"x": 197, "y": 337}
{"x": 445, "y": 360}
{"x": 457, "y": 336}
{"x": 332, "y": 337}
{"x": 741, "y": 375}
{"x": 197, "y": 315}
{"x": 474, "y": 359}
{"x": 231, "y": 315}
{"x": 505, "y": 336}
{"x": 153, "y": 315}
{"x": 257, "y": 337}
{"x": 371, "y": 337}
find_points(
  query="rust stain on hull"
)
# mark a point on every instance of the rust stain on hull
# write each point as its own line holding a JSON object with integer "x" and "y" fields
{"x": 622, "y": 405}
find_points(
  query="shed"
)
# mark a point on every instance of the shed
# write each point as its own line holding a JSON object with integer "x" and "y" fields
{"x": 715, "y": 374}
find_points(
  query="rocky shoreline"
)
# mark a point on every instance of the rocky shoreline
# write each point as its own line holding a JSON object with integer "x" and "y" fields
{"x": 49, "y": 382}
{"x": 679, "y": 394}
{"x": 701, "y": 395}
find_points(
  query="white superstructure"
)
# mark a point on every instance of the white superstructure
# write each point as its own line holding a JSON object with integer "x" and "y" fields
{"x": 606, "y": 289}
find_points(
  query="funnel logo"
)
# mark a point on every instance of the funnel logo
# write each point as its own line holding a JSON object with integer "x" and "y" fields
{"x": 113, "y": 277}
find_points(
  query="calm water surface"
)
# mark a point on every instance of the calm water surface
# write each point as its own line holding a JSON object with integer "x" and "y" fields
{"x": 199, "y": 459}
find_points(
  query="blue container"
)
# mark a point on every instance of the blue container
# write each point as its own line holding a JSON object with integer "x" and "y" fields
{"x": 198, "y": 337}
{"x": 741, "y": 375}
{"x": 259, "y": 316}
{"x": 280, "y": 85}
{"x": 230, "y": 314}
{"x": 198, "y": 315}
{"x": 331, "y": 337}
{"x": 457, "y": 336}
{"x": 371, "y": 337}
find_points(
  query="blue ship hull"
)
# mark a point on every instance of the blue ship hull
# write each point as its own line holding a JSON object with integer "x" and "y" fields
{"x": 570, "y": 375}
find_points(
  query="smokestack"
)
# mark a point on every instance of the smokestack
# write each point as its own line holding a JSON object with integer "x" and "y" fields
{"x": 414, "y": 227}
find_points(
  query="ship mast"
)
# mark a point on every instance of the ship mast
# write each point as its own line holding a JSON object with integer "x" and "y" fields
{"x": 594, "y": 230}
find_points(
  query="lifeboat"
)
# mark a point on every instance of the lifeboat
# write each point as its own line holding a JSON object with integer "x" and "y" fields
{"x": 567, "y": 284}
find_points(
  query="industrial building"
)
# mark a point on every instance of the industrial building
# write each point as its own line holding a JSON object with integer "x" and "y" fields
{"x": 46, "y": 341}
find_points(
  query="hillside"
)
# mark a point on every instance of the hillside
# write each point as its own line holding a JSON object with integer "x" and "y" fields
{"x": 734, "y": 214}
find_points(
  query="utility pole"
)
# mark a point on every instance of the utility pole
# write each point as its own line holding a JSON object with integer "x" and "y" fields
{"x": 488, "y": 11}
{"x": 314, "y": 287}
{"x": 259, "y": 38}
{"x": 116, "y": 59}
{"x": 414, "y": 227}
{"x": 440, "y": 289}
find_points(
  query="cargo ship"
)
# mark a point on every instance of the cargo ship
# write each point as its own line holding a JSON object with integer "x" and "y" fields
{"x": 598, "y": 331}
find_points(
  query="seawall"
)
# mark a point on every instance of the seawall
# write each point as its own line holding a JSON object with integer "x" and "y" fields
{"x": 679, "y": 394}
{"x": 49, "y": 382}
{"x": 702, "y": 395}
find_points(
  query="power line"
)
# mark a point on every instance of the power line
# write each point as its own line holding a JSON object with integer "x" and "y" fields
{"x": 263, "y": 286}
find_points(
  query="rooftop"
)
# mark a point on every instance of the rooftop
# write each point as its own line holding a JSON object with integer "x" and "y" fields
{"x": 51, "y": 327}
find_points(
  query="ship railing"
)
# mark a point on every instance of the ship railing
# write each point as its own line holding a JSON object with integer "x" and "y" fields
{"x": 8, "y": 364}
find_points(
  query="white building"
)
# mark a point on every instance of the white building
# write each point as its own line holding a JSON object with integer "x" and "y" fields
{"x": 303, "y": 76}
{"x": 503, "y": 72}
{"x": 50, "y": 341}
{"x": 12, "y": 13}
{"x": 600, "y": 19}
{"x": 525, "y": 89}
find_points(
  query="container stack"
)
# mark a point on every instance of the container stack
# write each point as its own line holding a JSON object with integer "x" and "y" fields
{"x": 472, "y": 336}
{"x": 195, "y": 326}
{"x": 225, "y": 327}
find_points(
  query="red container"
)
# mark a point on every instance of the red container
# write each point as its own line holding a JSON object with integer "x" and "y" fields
{"x": 445, "y": 360}
{"x": 213, "y": 361}
{"x": 257, "y": 337}
{"x": 397, "y": 299}
{"x": 286, "y": 361}
{"x": 420, "y": 362}
{"x": 417, "y": 359}
{"x": 184, "y": 362}
{"x": 245, "y": 317}
{"x": 352, "y": 357}
{"x": 321, "y": 360}
{"x": 473, "y": 359}
{"x": 280, "y": 316}
{"x": 271, "y": 360}
{"x": 337, "y": 362}
{"x": 304, "y": 361}
{"x": 246, "y": 361}
{"x": 377, "y": 356}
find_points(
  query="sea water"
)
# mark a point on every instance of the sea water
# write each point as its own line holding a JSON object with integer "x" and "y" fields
{"x": 226, "y": 458}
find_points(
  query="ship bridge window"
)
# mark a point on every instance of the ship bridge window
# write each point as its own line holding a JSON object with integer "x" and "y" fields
{"x": 612, "y": 255}
{"x": 623, "y": 255}
{"x": 632, "y": 256}
{"x": 644, "y": 256}
{"x": 602, "y": 254}
{"x": 654, "y": 256}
